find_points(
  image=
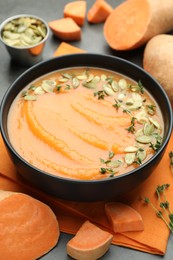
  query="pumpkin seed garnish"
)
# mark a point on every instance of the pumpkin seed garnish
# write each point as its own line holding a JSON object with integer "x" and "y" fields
{"x": 155, "y": 123}
{"x": 30, "y": 97}
{"x": 130, "y": 158}
{"x": 24, "y": 31}
{"x": 141, "y": 154}
{"x": 144, "y": 139}
{"x": 103, "y": 77}
{"x": 108, "y": 90}
{"x": 75, "y": 83}
{"x": 114, "y": 86}
{"x": 130, "y": 149}
{"x": 148, "y": 129}
{"x": 122, "y": 83}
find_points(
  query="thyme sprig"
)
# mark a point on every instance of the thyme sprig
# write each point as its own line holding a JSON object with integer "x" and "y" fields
{"x": 131, "y": 128}
{"x": 164, "y": 206}
{"x": 100, "y": 94}
{"x": 171, "y": 161}
{"x": 110, "y": 166}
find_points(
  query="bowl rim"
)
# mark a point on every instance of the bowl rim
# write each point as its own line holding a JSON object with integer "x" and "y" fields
{"x": 82, "y": 55}
{"x": 24, "y": 15}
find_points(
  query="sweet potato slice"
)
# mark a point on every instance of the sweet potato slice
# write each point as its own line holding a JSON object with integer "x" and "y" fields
{"x": 89, "y": 243}
{"x": 76, "y": 10}
{"x": 65, "y": 29}
{"x": 123, "y": 218}
{"x": 134, "y": 22}
{"x": 99, "y": 11}
{"x": 65, "y": 48}
{"x": 29, "y": 228}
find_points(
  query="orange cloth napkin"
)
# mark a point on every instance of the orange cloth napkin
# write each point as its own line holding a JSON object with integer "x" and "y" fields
{"x": 71, "y": 215}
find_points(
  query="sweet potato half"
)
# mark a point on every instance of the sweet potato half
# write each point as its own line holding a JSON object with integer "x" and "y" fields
{"x": 134, "y": 22}
{"x": 28, "y": 227}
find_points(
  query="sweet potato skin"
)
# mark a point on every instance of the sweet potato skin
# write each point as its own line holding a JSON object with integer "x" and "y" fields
{"x": 138, "y": 21}
{"x": 157, "y": 60}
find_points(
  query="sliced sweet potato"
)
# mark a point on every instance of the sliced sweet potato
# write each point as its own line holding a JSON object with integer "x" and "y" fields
{"x": 76, "y": 10}
{"x": 66, "y": 48}
{"x": 134, "y": 22}
{"x": 99, "y": 11}
{"x": 65, "y": 29}
{"x": 89, "y": 243}
{"x": 123, "y": 218}
{"x": 29, "y": 228}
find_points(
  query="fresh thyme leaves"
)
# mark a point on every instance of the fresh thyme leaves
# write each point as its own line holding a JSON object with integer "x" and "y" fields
{"x": 110, "y": 165}
{"x": 164, "y": 212}
{"x": 110, "y": 171}
{"x": 111, "y": 154}
{"x": 171, "y": 161}
{"x": 137, "y": 88}
{"x": 151, "y": 109}
{"x": 117, "y": 104}
{"x": 100, "y": 94}
{"x": 131, "y": 128}
{"x": 156, "y": 146}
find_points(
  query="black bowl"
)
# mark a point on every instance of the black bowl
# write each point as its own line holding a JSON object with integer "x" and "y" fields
{"x": 78, "y": 190}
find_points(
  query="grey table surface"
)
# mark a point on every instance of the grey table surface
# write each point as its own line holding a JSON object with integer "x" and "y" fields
{"x": 92, "y": 41}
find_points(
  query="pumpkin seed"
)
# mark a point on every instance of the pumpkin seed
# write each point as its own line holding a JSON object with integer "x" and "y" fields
{"x": 148, "y": 129}
{"x": 30, "y": 97}
{"x": 27, "y": 30}
{"x": 129, "y": 102}
{"x": 155, "y": 123}
{"x": 108, "y": 90}
{"x": 122, "y": 83}
{"x": 39, "y": 91}
{"x": 63, "y": 80}
{"x": 141, "y": 154}
{"x": 66, "y": 75}
{"x": 91, "y": 76}
{"x": 48, "y": 85}
{"x": 114, "y": 85}
{"x": 130, "y": 158}
{"x": 121, "y": 96}
{"x": 81, "y": 77}
{"x": 144, "y": 139}
{"x": 75, "y": 83}
{"x": 139, "y": 132}
{"x": 96, "y": 79}
{"x": 103, "y": 77}
{"x": 114, "y": 164}
{"x": 130, "y": 149}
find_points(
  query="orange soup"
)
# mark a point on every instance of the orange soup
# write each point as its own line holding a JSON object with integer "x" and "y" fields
{"x": 85, "y": 123}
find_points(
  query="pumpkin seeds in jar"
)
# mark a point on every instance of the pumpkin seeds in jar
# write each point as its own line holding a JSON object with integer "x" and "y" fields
{"x": 24, "y": 31}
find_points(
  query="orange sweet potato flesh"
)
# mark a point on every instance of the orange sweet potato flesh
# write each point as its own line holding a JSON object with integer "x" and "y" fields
{"x": 99, "y": 11}
{"x": 89, "y": 243}
{"x": 134, "y": 22}
{"x": 65, "y": 29}
{"x": 66, "y": 48}
{"x": 123, "y": 218}
{"x": 29, "y": 228}
{"x": 76, "y": 10}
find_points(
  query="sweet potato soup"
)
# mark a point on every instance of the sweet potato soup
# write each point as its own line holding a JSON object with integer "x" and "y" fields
{"x": 85, "y": 123}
